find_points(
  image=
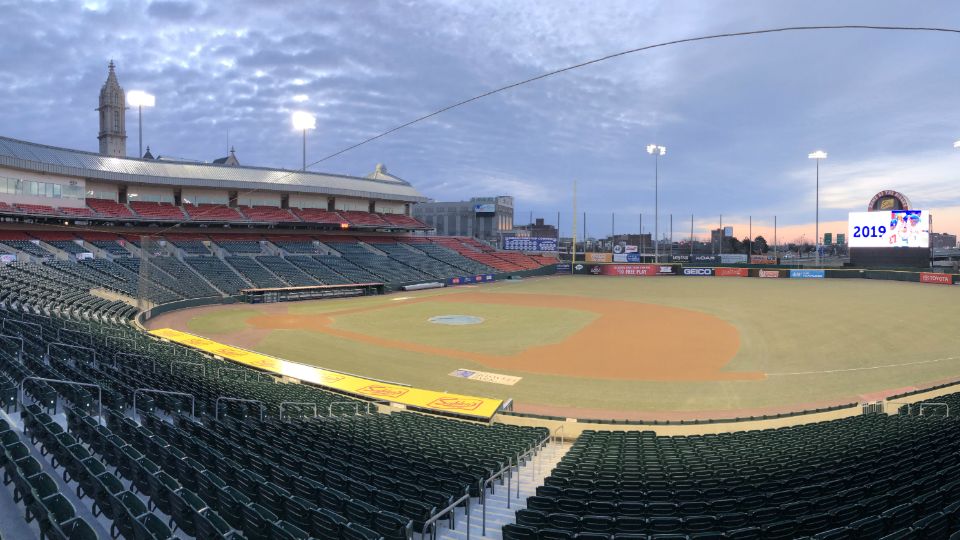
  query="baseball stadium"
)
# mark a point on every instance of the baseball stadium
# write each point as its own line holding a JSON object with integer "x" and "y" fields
{"x": 216, "y": 350}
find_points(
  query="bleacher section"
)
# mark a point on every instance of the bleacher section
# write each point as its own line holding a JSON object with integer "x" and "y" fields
{"x": 861, "y": 477}
{"x": 347, "y": 269}
{"x": 240, "y": 247}
{"x": 267, "y": 214}
{"x": 259, "y": 276}
{"x": 295, "y": 245}
{"x": 159, "y": 472}
{"x": 23, "y": 242}
{"x": 315, "y": 215}
{"x": 212, "y": 212}
{"x": 322, "y": 273}
{"x": 157, "y": 211}
{"x": 110, "y": 209}
{"x": 218, "y": 273}
{"x": 288, "y": 272}
{"x": 188, "y": 283}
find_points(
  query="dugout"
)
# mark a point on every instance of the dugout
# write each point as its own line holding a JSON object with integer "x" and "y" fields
{"x": 311, "y": 292}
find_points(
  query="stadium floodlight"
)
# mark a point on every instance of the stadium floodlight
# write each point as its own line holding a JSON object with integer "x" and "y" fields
{"x": 303, "y": 121}
{"x": 817, "y": 155}
{"x": 140, "y": 99}
{"x": 956, "y": 144}
{"x": 657, "y": 151}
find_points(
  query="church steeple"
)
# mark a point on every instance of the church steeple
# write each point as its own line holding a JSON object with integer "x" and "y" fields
{"x": 113, "y": 117}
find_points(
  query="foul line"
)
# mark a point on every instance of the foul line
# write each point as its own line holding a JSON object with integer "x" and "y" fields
{"x": 935, "y": 360}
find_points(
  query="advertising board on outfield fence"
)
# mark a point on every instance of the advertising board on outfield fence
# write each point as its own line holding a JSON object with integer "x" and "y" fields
{"x": 804, "y": 273}
{"x": 763, "y": 259}
{"x": 636, "y": 270}
{"x": 464, "y": 280}
{"x": 934, "y": 277}
{"x": 705, "y": 259}
{"x": 733, "y": 258}
{"x": 593, "y": 257}
{"x": 563, "y": 268}
{"x": 702, "y": 271}
{"x": 414, "y": 397}
{"x": 626, "y": 257}
{"x": 768, "y": 273}
{"x": 680, "y": 258}
{"x": 731, "y": 272}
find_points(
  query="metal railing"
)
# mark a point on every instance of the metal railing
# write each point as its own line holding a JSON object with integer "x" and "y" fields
{"x": 3, "y": 325}
{"x": 96, "y": 361}
{"x": 203, "y": 366}
{"x": 64, "y": 381}
{"x": 18, "y": 338}
{"x": 152, "y": 360}
{"x": 216, "y": 411}
{"x": 489, "y": 483}
{"x": 934, "y": 404}
{"x": 299, "y": 403}
{"x": 355, "y": 404}
{"x": 136, "y": 413}
{"x": 86, "y": 336}
{"x": 451, "y": 510}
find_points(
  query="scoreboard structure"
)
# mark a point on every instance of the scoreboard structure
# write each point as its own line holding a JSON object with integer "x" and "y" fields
{"x": 890, "y": 234}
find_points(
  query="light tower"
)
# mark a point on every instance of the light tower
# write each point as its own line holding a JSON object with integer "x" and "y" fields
{"x": 302, "y": 121}
{"x": 817, "y": 155}
{"x": 657, "y": 151}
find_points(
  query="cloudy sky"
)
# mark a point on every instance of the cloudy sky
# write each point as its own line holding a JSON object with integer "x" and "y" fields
{"x": 738, "y": 116}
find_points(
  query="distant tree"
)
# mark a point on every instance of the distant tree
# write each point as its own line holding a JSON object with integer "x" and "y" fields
{"x": 760, "y": 245}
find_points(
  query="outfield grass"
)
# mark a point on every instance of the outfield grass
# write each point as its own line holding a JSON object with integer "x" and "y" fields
{"x": 853, "y": 337}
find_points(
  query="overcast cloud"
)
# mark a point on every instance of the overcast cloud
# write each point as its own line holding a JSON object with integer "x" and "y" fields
{"x": 738, "y": 116}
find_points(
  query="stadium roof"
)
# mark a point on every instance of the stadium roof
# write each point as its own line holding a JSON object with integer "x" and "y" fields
{"x": 64, "y": 161}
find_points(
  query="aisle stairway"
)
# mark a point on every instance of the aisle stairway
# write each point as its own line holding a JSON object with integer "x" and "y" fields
{"x": 498, "y": 514}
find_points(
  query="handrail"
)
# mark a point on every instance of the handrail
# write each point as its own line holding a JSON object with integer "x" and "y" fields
{"x": 81, "y": 332}
{"x": 64, "y": 381}
{"x": 221, "y": 369}
{"x": 314, "y": 405}
{"x": 3, "y": 325}
{"x": 483, "y": 492}
{"x": 96, "y": 361}
{"x": 559, "y": 429}
{"x": 193, "y": 400}
{"x": 203, "y": 366}
{"x": 19, "y": 354}
{"x": 216, "y": 411}
{"x": 356, "y": 405}
{"x": 134, "y": 355}
{"x": 452, "y": 508}
{"x": 928, "y": 403}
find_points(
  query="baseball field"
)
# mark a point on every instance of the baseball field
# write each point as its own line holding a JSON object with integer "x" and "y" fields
{"x": 626, "y": 348}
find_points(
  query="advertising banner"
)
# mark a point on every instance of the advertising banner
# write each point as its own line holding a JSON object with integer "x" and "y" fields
{"x": 530, "y": 244}
{"x": 934, "y": 277}
{"x": 626, "y": 257}
{"x": 896, "y": 228}
{"x": 486, "y": 376}
{"x": 630, "y": 249}
{"x": 763, "y": 259}
{"x": 464, "y": 280}
{"x": 680, "y": 258}
{"x": 806, "y": 274}
{"x": 698, "y": 271}
{"x": 769, "y": 274}
{"x": 7, "y": 258}
{"x": 731, "y": 272}
{"x": 563, "y": 268}
{"x": 485, "y": 208}
{"x": 705, "y": 259}
{"x": 415, "y": 397}
{"x": 592, "y": 269}
{"x": 84, "y": 255}
{"x": 636, "y": 270}
{"x": 733, "y": 258}
{"x": 592, "y": 257}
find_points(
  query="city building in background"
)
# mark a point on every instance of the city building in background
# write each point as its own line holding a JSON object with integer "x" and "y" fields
{"x": 943, "y": 241}
{"x": 537, "y": 229}
{"x": 484, "y": 218}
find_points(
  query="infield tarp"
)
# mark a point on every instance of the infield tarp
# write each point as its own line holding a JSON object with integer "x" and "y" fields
{"x": 414, "y": 397}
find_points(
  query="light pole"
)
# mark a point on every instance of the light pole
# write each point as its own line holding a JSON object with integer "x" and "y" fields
{"x": 303, "y": 121}
{"x": 140, "y": 99}
{"x": 817, "y": 155}
{"x": 956, "y": 144}
{"x": 657, "y": 151}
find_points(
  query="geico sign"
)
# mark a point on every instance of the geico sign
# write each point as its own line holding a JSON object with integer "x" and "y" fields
{"x": 698, "y": 271}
